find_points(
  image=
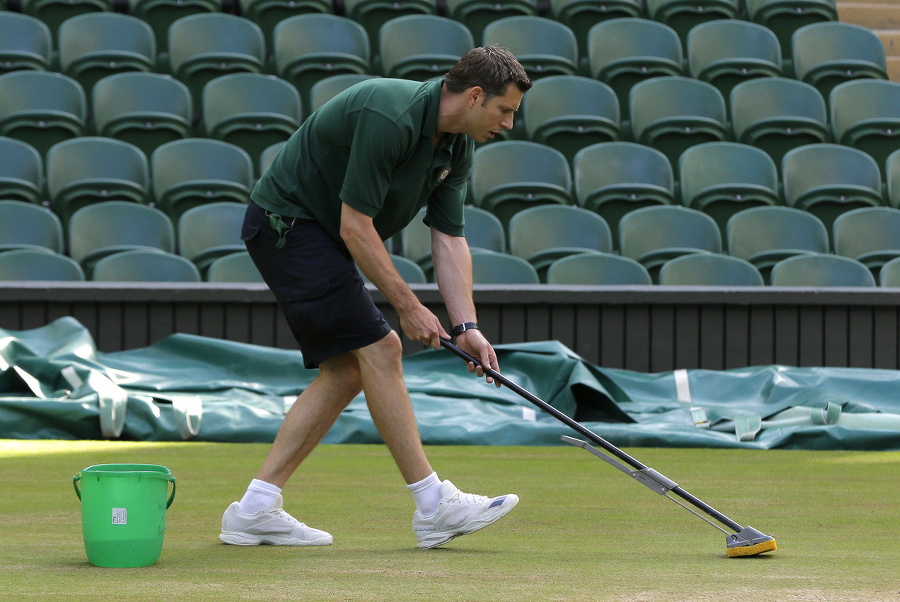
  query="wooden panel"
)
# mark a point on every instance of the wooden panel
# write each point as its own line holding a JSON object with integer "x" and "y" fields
{"x": 736, "y": 347}
{"x": 886, "y": 354}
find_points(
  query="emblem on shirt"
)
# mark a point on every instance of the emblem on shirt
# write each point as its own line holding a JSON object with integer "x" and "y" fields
{"x": 444, "y": 174}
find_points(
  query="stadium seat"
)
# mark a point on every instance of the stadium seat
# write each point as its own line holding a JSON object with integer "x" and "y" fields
{"x": 251, "y": 110}
{"x": 210, "y": 231}
{"x": 326, "y": 89}
{"x": 373, "y": 14}
{"x": 708, "y": 269}
{"x": 21, "y": 171}
{"x": 25, "y": 43}
{"x": 478, "y": 14}
{"x": 55, "y": 12}
{"x": 489, "y": 267}
{"x": 722, "y": 178}
{"x": 95, "y": 45}
{"x": 654, "y": 235}
{"x": 160, "y": 14}
{"x": 36, "y": 264}
{"x": 41, "y": 108}
{"x": 415, "y": 244}
{"x": 91, "y": 169}
{"x": 545, "y": 233}
{"x": 484, "y": 230}
{"x": 311, "y": 47}
{"x": 865, "y": 114}
{"x": 766, "y": 235}
{"x": 778, "y": 114}
{"x": 684, "y": 15}
{"x": 144, "y": 109}
{"x": 581, "y": 15}
{"x": 889, "y": 276}
{"x": 727, "y": 52}
{"x": 421, "y": 47}
{"x": 784, "y": 17}
{"x": 512, "y": 175}
{"x": 602, "y": 269}
{"x": 674, "y": 113}
{"x": 268, "y": 155}
{"x": 829, "y": 179}
{"x": 99, "y": 230}
{"x": 821, "y": 270}
{"x": 892, "y": 174}
{"x": 196, "y": 171}
{"x": 570, "y": 112}
{"x": 23, "y": 225}
{"x": 828, "y": 54}
{"x": 543, "y": 46}
{"x": 144, "y": 265}
{"x": 614, "y": 178}
{"x": 268, "y": 14}
{"x": 236, "y": 267}
{"x": 870, "y": 235}
{"x": 205, "y": 46}
{"x": 408, "y": 269}
{"x": 623, "y": 52}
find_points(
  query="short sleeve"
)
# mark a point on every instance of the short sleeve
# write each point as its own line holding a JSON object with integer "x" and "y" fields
{"x": 377, "y": 146}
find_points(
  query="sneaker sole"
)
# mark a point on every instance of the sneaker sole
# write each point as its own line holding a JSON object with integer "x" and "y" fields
{"x": 438, "y": 538}
{"x": 237, "y": 538}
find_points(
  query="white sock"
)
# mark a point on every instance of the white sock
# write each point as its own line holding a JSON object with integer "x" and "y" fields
{"x": 426, "y": 493}
{"x": 260, "y": 494}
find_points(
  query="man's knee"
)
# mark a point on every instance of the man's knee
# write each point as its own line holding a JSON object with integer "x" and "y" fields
{"x": 387, "y": 353}
{"x": 342, "y": 374}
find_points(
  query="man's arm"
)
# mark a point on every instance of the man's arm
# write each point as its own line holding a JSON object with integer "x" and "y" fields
{"x": 453, "y": 272}
{"x": 367, "y": 249}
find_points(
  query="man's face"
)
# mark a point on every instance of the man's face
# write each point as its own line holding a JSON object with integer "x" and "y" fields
{"x": 490, "y": 117}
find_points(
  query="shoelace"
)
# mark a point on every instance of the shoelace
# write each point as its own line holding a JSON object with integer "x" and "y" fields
{"x": 469, "y": 498}
{"x": 282, "y": 514}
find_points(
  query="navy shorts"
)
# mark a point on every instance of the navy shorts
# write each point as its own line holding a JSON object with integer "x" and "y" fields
{"x": 317, "y": 285}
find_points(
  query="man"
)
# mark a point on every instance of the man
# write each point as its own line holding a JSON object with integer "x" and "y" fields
{"x": 356, "y": 173}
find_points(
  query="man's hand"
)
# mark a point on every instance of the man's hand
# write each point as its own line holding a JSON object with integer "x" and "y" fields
{"x": 474, "y": 343}
{"x": 420, "y": 324}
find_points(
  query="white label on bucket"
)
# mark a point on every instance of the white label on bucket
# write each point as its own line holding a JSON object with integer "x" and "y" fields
{"x": 119, "y": 516}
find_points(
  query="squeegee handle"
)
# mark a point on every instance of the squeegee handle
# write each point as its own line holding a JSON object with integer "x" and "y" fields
{"x": 594, "y": 437}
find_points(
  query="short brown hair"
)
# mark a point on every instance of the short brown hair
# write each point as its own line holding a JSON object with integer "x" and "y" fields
{"x": 492, "y": 68}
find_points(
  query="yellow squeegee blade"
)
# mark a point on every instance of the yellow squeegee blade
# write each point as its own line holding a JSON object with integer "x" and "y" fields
{"x": 754, "y": 550}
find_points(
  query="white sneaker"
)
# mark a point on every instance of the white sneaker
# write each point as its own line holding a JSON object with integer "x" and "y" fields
{"x": 458, "y": 514}
{"x": 272, "y": 526}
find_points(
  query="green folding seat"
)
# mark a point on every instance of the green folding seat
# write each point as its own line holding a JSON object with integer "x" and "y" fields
{"x": 684, "y": 15}
{"x": 210, "y": 231}
{"x": 545, "y": 233}
{"x": 830, "y": 179}
{"x": 870, "y": 235}
{"x": 727, "y": 52}
{"x": 766, "y": 235}
{"x": 24, "y": 225}
{"x": 889, "y": 276}
{"x": 614, "y": 178}
{"x": 581, "y": 15}
{"x": 329, "y": 87}
{"x": 892, "y": 174}
{"x": 709, "y": 269}
{"x": 95, "y": 45}
{"x": 624, "y": 52}
{"x": 512, "y": 175}
{"x": 654, "y": 235}
{"x": 92, "y": 169}
{"x": 373, "y": 14}
{"x": 25, "y": 43}
{"x": 421, "y": 47}
{"x": 251, "y": 110}
{"x": 484, "y": 230}
{"x": 268, "y": 14}
{"x": 604, "y": 269}
{"x": 778, "y": 114}
{"x": 821, "y": 270}
{"x": 196, "y": 171}
{"x": 268, "y": 155}
{"x": 21, "y": 171}
{"x": 143, "y": 109}
{"x": 828, "y": 54}
{"x": 543, "y": 46}
{"x": 102, "y": 229}
{"x": 723, "y": 178}
{"x": 672, "y": 114}
{"x": 570, "y": 112}
{"x": 144, "y": 265}
{"x": 478, "y": 14}
{"x": 490, "y": 267}
{"x": 41, "y": 108}
{"x": 55, "y": 12}
{"x": 408, "y": 269}
{"x": 38, "y": 265}
{"x": 784, "y": 17}
{"x": 311, "y": 47}
{"x": 865, "y": 114}
{"x": 236, "y": 267}
{"x": 160, "y": 14}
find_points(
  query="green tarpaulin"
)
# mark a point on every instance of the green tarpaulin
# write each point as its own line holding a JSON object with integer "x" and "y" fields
{"x": 55, "y": 384}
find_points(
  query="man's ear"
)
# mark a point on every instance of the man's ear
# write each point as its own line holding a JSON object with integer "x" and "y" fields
{"x": 474, "y": 95}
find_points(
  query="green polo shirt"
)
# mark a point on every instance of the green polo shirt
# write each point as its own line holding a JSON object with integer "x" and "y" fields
{"x": 371, "y": 147}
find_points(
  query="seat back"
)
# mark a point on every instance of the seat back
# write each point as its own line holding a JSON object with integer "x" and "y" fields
{"x": 543, "y": 46}
{"x": 728, "y": 51}
{"x": 213, "y": 227}
{"x": 865, "y": 114}
{"x": 34, "y": 264}
{"x": 160, "y": 14}
{"x": 707, "y": 269}
{"x": 373, "y": 14}
{"x": 142, "y": 265}
{"x": 597, "y": 269}
{"x": 684, "y": 16}
{"x": 821, "y": 270}
{"x": 484, "y": 230}
{"x": 28, "y": 225}
{"x": 581, "y": 15}
{"x": 25, "y": 43}
{"x": 55, "y": 12}
{"x": 892, "y": 174}
{"x": 539, "y": 229}
{"x": 41, "y": 108}
{"x": 329, "y": 87}
{"x": 784, "y": 17}
{"x": 421, "y": 47}
{"x": 103, "y": 228}
{"x": 21, "y": 171}
{"x": 268, "y": 14}
{"x": 235, "y": 267}
{"x": 478, "y": 14}
{"x": 489, "y": 267}
{"x": 870, "y": 235}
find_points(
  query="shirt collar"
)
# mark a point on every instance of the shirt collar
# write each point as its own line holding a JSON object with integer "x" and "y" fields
{"x": 431, "y": 117}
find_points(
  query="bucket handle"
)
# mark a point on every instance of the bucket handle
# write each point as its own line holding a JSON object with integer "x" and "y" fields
{"x": 171, "y": 479}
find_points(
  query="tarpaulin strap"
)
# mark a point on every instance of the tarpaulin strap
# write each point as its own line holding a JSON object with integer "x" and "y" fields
{"x": 187, "y": 411}
{"x": 747, "y": 426}
{"x": 280, "y": 226}
{"x": 683, "y": 391}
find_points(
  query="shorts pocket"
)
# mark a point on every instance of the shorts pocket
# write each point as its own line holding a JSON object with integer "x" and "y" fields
{"x": 249, "y": 230}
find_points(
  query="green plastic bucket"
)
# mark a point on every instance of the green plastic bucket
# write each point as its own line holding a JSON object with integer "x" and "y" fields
{"x": 123, "y": 512}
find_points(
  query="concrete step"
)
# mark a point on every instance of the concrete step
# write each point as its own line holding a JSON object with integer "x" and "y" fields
{"x": 893, "y": 68}
{"x": 891, "y": 40}
{"x": 874, "y": 15}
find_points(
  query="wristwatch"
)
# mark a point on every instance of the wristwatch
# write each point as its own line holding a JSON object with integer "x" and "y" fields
{"x": 461, "y": 328}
